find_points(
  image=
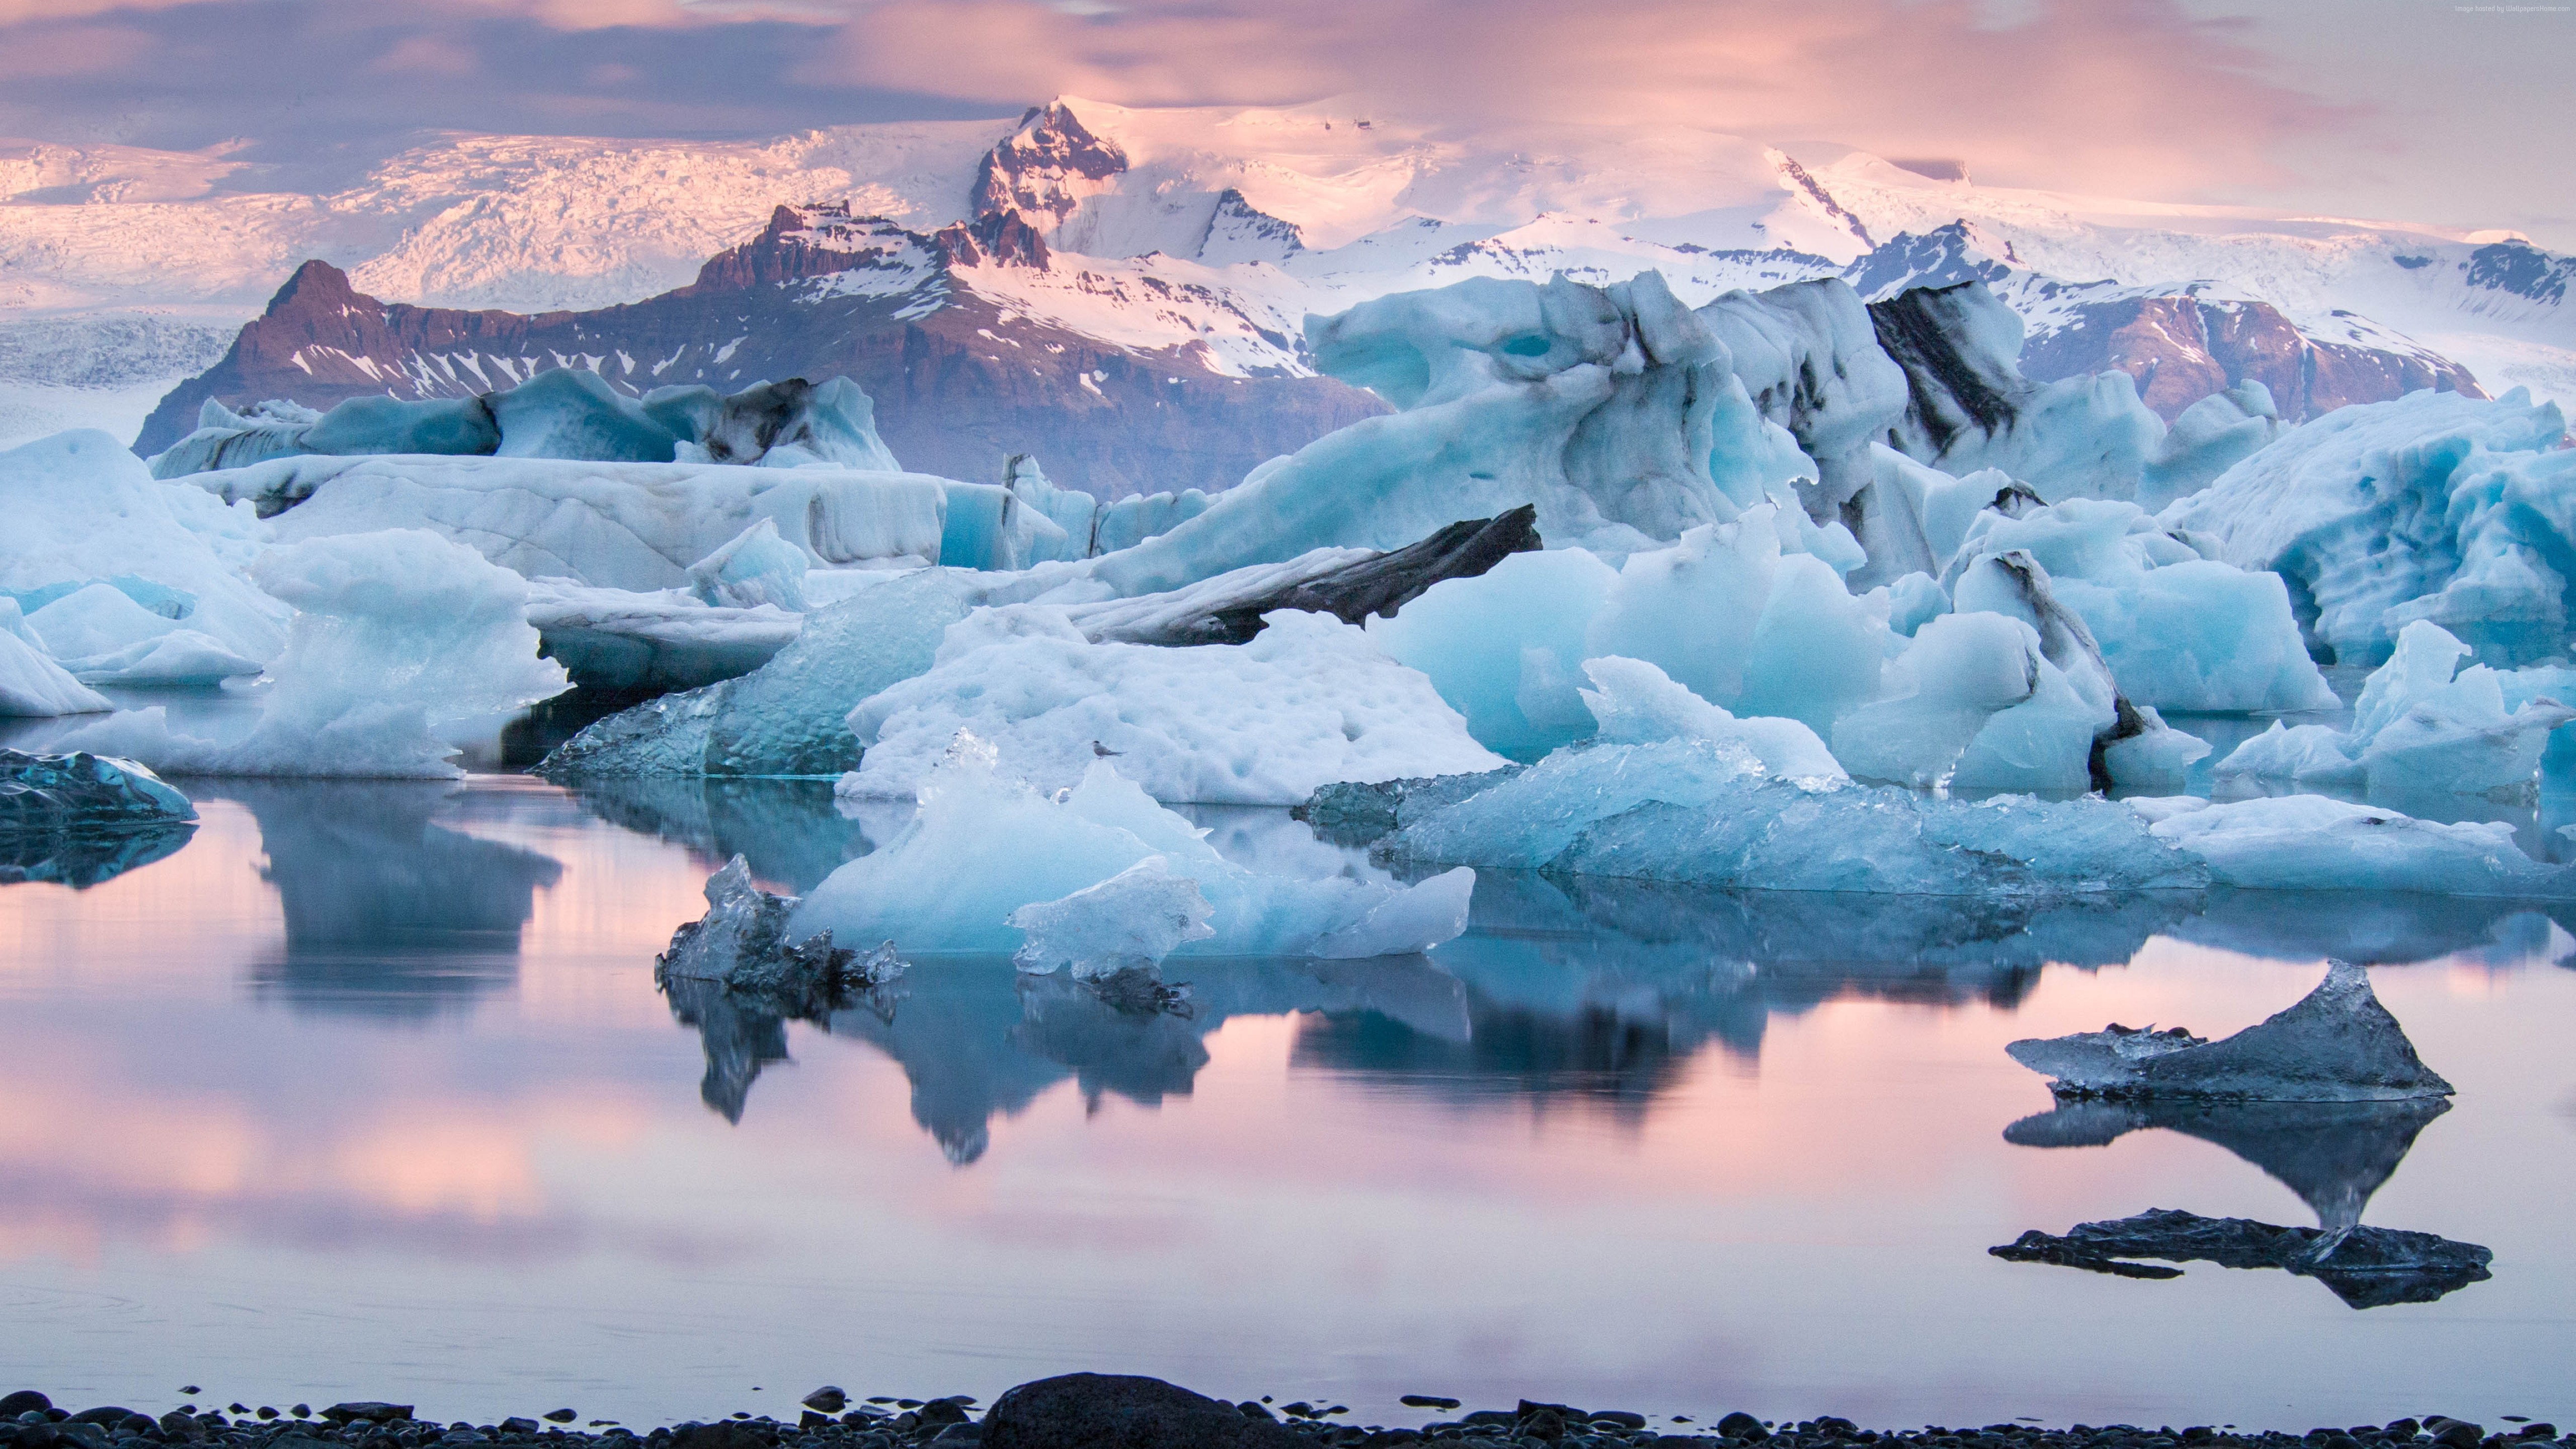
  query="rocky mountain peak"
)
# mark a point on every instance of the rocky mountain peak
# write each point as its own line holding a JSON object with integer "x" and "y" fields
{"x": 1045, "y": 167}
{"x": 1004, "y": 238}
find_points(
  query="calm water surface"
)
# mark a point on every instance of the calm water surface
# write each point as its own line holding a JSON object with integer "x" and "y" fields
{"x": 366, "y": 1091}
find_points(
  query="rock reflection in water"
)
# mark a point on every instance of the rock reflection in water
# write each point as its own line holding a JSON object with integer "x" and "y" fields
{"x": 2334, "y": 1155}
{"x": 387, "y": 914}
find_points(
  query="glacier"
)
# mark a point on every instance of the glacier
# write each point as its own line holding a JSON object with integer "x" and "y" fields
{"x": 985, "y": 845}
{"x": 399, "y": 640}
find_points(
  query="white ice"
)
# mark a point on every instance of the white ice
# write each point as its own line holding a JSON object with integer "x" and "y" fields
{"x": 1309, "y": 701}
{"x": 985, "y": 845}
{"x": 399, "y": 639}
{"x": 1135, "y": 918}
{"x": 31, "y": 683}
{"x": 2309, "y": 842}
{"x": 636, "y": 526}
{"x": 666, "y": 639}
{"x": 87, "y": 520}
{"x": 2422, "y": 725}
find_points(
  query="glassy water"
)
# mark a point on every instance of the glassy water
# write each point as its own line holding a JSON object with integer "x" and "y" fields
{"x": 366, "y": 1091}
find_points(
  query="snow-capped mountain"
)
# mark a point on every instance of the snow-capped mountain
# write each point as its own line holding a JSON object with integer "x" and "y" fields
{"x": 1191, "y": 243}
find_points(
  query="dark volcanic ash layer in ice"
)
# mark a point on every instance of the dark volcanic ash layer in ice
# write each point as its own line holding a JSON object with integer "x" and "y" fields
{"x": 2338, "y": 1044}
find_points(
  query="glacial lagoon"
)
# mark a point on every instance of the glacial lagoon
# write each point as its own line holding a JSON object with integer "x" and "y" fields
{"x": 367, "y": 1090}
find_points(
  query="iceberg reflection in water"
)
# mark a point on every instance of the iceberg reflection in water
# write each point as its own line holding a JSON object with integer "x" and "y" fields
{"x": 409, "y": 1038}
{"x": 387, "y": 914}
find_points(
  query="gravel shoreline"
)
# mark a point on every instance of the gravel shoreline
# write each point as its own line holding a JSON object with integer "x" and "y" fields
{"x": 1169, "y": 1418}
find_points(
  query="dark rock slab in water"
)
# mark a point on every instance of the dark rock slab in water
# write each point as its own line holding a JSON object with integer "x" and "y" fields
{"x": 2366, "y": 1267}
{"x": 1123, "y": 1411}
{"x": 1351, "y": 593}
{"x": 2338, "y": 1044}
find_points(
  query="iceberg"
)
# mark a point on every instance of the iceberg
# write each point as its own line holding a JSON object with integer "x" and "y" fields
{"x": 2212, "y": 435}
{"x": 2312, "y": 843}
{"x": 1808, "y": 357}
{"x": 126, "y": 580}
{"x": 636, "y": 526}
{"x": 664, "y": 640}
{"x": 1128, "y": 922}
{"x": 32, "y": 685}
{"x": 1595, "y": 405}
{"x": 1698, "y": 812}
{"x": 1968, "y": 407}
{"x": 2337, "y": 1044}
{"x": 755, "y": 567}
{"x": 398, "y": 638}
{"x": 1310, "y": 700}
{"x": 2177, "y": 631}
{"x": 78, "y": 819}
{"x": 2419, "y": 728}
{"x": 563, "y": 412}
{"x": 2437, "y": 507}
{"x": 742, "y": 944}
{"x": 81, "y": 792}
{"x": 985, "y": 845}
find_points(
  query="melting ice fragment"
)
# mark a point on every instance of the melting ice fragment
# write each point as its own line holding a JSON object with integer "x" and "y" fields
{"x": 1133, "y": 919}
{"x": 984, "y": 845}
{"x": 742, "y": 943}
{"x": 2338, "y": 1044}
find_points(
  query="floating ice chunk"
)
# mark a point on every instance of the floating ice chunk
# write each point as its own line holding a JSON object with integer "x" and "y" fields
{"x": 1809, "y": 358}
{"x": 790, "y": 424}
{"x": 2435, "y": 507}
{"x": 1092, "y": 528}
{"x": 398, "y": 637}
{"x": 757, "y": 567}
{"x": 789, "y": 717}
{"x": 1506, "y": 649}
{"x": 2419, "y": 728}
{"x": 1741, "y": 624}
{"x": 1309, "y": 701}
{"x": 2309, "y": 842}
{"x": 2176, "y": 631}
{"x": 31, "y": 683}
{"x": 1636, "y": 703}
{"x": 1707, "y": 814}
{"x": 613, "y": 639}
{"x": 1355, "y": 814}
{"x": 1970, "y": 408}
{"x": 571, "y": 412}
{"x": 742, "y": 944}
{"x": 1596, "y": 405}
{"x": 86, "y": 518}
{"x": 983, "y": 846}
{"x": 2337, "y": 1044}
{"x": 631, "y": 526}
{"x": 1133, "y": 919}
{"x": 77, "y": 792}
{"x": 2212, "y": 436}
{"x": 1960, "y": 671}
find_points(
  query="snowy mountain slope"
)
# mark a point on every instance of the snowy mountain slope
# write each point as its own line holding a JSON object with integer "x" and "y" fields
{"x": 1220, "y": 229}
{"x": 955, "y": 334}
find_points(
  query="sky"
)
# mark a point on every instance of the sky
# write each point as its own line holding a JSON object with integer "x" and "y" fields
{"x": 2447, "y": 113}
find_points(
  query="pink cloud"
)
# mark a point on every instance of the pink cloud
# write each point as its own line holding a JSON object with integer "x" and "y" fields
{"x": 76, "y": 50}
{"x": 2129, "y": 96}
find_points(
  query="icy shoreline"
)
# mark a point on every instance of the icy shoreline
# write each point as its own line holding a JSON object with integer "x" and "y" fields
{"x": 1090, "y": 1411}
